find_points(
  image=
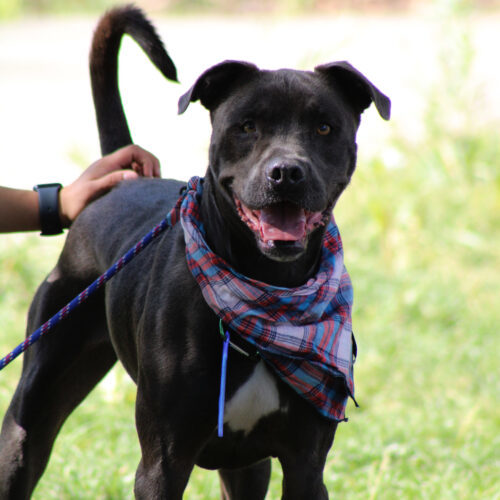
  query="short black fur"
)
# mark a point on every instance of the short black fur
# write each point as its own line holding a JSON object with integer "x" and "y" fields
{"x": 282, "y": 141}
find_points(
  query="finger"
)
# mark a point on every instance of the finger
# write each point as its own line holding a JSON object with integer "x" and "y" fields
{"x": 120, "y": 159}
{"x": 129, "y": 157}
{"x": 133, "y": 156}
{"x": 146, "y": 164}
{"x": 141, "y": 169}
{"x": 147, "y": 168}
{"x": 105, "y": 183}
{"x": 156, "y": 168}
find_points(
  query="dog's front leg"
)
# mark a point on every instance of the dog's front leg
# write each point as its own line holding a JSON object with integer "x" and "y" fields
{"x": 304, "y": 459}
{"x": 303, "y": 479}
{"x": 172, "y": 430}
{"x": 165, "y": 464}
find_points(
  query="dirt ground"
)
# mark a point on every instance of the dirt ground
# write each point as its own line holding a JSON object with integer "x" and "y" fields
{"x": 47, "y": 126}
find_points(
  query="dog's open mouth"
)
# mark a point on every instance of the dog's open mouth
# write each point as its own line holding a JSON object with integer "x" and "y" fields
{"x": 283, "y": 224}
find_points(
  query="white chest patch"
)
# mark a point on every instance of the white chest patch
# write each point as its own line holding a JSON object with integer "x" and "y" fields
{"x": 255, "y": 399}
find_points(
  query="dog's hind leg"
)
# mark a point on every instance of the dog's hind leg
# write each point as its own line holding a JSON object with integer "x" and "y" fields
{"x": 58, "y": 372}
{"x": 250, "y": 483}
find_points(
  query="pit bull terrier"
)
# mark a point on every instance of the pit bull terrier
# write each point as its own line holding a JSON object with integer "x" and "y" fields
{"x": 282, "y": 150}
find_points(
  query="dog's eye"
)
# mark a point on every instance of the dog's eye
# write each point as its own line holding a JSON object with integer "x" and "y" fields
{"x": 323, "y": 129}
{"x": 249, "y": 127}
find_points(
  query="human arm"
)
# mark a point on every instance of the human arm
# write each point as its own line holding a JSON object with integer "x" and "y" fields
{"x": 19, "y": 209}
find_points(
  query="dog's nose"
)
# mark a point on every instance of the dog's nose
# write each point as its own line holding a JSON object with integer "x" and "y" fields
{"x": 284, "y": 174}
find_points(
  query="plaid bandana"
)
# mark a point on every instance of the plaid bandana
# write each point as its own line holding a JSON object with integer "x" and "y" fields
{"x": 303, "y": 333}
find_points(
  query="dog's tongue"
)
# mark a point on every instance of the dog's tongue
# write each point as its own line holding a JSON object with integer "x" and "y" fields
{"x": 283, "y": 222}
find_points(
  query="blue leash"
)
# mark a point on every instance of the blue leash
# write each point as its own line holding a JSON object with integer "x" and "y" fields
{"x": 170, "y": 220}
{"x": 83, "y": 296}
{"x": 223, "y": 372}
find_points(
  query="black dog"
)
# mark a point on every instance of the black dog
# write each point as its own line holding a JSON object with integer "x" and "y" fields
{"x": 282, "y": 151}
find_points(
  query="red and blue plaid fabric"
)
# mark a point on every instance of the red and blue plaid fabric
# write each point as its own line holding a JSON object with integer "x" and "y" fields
{"x": 303, "y": 333}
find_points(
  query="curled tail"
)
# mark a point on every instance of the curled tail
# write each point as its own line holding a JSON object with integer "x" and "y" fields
{"x": 111, "y": 121}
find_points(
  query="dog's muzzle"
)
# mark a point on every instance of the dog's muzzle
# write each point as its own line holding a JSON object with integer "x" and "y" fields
{"x": 280, "y": 217}
{"x": 282, "y": 229}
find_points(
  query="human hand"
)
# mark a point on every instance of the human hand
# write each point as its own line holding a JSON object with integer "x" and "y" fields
{"x": 129, "y": 162}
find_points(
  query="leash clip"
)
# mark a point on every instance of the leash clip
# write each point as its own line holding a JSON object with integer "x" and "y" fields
{"x": 252, "y": 356}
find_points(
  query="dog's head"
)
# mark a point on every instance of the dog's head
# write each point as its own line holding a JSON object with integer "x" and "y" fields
{"x": 283, "y": 145}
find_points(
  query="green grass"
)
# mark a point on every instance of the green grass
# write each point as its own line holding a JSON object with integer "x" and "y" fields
{"x": 422, "y": 249}
{"x": 421, "y": 244}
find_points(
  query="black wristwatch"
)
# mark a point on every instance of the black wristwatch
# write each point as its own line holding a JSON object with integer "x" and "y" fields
{"x": 48, "y": 202}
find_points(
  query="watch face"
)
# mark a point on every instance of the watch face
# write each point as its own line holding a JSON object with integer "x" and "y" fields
{"x": 50, "y": 185}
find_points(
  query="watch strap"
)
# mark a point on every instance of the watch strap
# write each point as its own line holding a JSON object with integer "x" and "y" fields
{"x": 48, "y": 203}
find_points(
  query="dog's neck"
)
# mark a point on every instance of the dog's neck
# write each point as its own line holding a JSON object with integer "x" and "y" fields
{"x": 228, "y": 239}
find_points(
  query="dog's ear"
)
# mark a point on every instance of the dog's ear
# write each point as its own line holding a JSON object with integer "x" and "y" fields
{"x": 215, "y": 84}
{"x": 357, "y": 87}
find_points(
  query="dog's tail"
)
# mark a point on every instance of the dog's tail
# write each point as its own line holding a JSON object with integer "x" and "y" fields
{"x": 111, "y": 121}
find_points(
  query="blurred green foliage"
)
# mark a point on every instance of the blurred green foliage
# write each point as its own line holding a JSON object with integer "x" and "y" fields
{"x": 13, "y": 8}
